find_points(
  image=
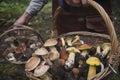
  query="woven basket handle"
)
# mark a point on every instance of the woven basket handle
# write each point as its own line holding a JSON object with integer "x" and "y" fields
{"x": 109, "y": 25}
{"x": 23, "y": 27}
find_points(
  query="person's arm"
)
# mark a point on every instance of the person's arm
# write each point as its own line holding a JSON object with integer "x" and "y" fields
{"x": 34, "y": 7}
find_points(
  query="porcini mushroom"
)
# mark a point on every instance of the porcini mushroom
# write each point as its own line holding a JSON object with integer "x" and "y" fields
{"x": 44, "y": 53}
{"x": 93, "y": 62}
{"x": 32, "y": 63}
{"x": 71, "y": 58}
{"x": 84, "y": 48}
{"x": 63, "y": 41}
{"x": 106, "y": 48}
{"x": 41, "y": 71}
{"x": 53, "y": 51}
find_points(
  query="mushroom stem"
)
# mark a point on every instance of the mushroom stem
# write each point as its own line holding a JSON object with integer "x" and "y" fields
{"x": 105, "y": 51}
{"x": 98, "y": 50}
{"x": 91, "y": 72}
{"x": 63, "y": 41}
{"x": 70, "y": 61}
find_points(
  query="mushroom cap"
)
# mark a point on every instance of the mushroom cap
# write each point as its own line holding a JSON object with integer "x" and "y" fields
{"x": 32, "y": 63}
{"x": 84, "y": 47}
{"x": 41, "y": 70}
{"x": 72, "y": 49}
{"x": 50, "y": 42}
{"x": 41, "y": 51}
{"x": 94, "y": 61}
{"x": 75, "y": 71}
{"x": 20, "y": 49}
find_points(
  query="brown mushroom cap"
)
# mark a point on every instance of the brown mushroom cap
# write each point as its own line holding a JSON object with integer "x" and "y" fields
{"x": 32, "y": 63}
{"x": 94, "y": 61}
{"x": 20, "y": 49}
{"x": 75, "y": 71}
{"x": 41, "y": 51}
{"x": 41, "y": 70}
{"x": 84, "y": 47}
{"x": 50, "y": 42}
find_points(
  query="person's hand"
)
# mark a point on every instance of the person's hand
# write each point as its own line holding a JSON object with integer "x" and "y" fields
{"x": 23, "y": 20}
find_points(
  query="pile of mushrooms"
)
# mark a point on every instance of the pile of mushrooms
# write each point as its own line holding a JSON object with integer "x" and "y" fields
{"x": 78, "y": 59}
{"x": 20, "y": 48}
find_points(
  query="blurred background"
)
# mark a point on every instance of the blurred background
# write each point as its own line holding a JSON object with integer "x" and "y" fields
{"x": 10, "y": 10}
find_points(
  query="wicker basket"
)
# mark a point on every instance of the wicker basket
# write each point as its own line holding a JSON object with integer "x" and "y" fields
{"x": 114, "y": 56}
{"x": 28, "y": 35}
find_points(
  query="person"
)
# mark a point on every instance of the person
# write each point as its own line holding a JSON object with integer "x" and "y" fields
{"x": 74, "y": 16}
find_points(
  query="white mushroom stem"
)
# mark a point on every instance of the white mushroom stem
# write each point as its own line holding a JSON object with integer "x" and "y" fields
{"x": 91, "y": 72}
{"x": 55, "y": 53}
{"x": 98, "y": 50}
{"x": 105, "y": 51}
{"x": 84, "y": 53}
{"x": 77, "y": 38}
{"x": 63, "y": 41}
{"x": 71, "y": 58}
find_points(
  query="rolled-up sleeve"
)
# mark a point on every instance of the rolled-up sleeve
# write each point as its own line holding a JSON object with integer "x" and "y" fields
{"x": 35, "y": 6}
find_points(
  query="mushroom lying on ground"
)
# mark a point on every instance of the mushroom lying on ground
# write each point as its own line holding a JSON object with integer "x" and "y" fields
{"x": 106, "y": 48}
{"x": 54, "y": 54}
{"x": 84, "y": 48}
{"x": 71, "y": 58}
{"x": 32, "y": 63}
{"x": 41, "y": 71}
{"x": 93, "y": 62}
{"x": 10, "y": 41}
{"x": 44, "y": 53}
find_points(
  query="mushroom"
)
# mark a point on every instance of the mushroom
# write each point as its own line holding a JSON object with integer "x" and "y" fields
{"x": 20, "y": 48}
{"x": 63, "y": 41}
{"x": 11, "y": 57}
{"x": 93, "y": 62}
{"x": 84, "y": 48}
{"x": 77, "y": 39}
{"x": 69, "y": 41}
{"x": 71, "y": 58}
{"x": 98, "y": 47}
{"x": 10, "y": 40}
{"x": 54, "y": 54}
{"x": 106, "y": 48}
{"x": 75, "y": 72}
{"x": 41, "y": 71}
{"x": 32, "y": 63}
{"x": 63, "y": 53}
{"x": 44, "y": 53}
